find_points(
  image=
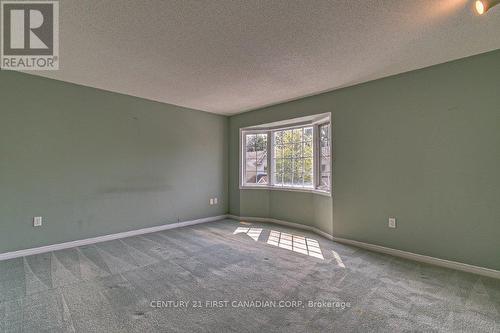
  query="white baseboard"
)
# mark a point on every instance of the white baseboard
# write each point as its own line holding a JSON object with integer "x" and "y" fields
{"x": 99, "y": 239}
{"x": 372, "y": 247}
{"x": 382, "y": 249}
{"x": 423, "y": 258}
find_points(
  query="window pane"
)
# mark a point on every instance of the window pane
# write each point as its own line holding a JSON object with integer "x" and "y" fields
{"x": 297, "y": 150}
{"x": 298, "y": 172}
{"x": 297, "y": 135}
{"x": 278, "y": 178}
{"x": 256, "y": 158}
{"x": 251, "y": 164}
{"x": 325, "y": 159}
{"x": 324, "y": 131}
{"x": 325, "y": 181}
{"x": 278, "y": 151}
{"x": 287, "y": 166}
{"x": 288, "y": 151}
{"x": 298, "y": 180}
{"x": 287, "y": 136}
{"x": 250, "y": 140}
{"x": 262, "y": 171}
{"x": 293, "y": 154}
{"x": 278, "y": 138}
{"x": 308, "y": 149}
{"x": 278, "y": 165}
{"x": 325, "y": 164}
{"x": 261, "y": 178}
{"x": 325, "y": 151}
{"x": 261, "y": 142}
{"x": 298, "y": 167}
{"x": 308, "y": 134}
{"x": 261, "y": 161}
{"x": 287, "y": 171}
{"x": 308, "y": 167}
{"x": 251, "y": 155}
{"x": 308, "y": 179}
{"x": 251, "y": 177}
{"x": 250, "y": 147}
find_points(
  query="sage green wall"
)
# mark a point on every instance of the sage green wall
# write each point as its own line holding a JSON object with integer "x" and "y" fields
{"x": 423, "y": 146}
{"x": 93, "y": 162}
{"x": 299, "y": 207}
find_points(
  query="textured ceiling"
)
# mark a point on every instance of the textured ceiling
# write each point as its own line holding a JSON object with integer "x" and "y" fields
{"x": 231, "y": 56}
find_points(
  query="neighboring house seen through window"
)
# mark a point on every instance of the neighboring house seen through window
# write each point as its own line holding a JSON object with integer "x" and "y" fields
{"x": 256, "y": 159}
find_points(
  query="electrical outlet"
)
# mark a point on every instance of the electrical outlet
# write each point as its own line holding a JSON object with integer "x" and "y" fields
{"x": 37, "y": 221}
{"x": 392, "y": 222}
{"x": 216, "y": 201}
{"x": 211, "y": 201}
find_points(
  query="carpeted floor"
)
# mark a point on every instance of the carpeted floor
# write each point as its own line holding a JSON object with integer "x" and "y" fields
{"x": 238, "y": 277}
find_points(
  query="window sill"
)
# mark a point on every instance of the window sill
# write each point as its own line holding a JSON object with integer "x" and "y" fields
{"x": 286, "y": 189}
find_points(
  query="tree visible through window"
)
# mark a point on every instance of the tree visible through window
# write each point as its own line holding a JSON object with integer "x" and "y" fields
{"x": 293, "y": 157}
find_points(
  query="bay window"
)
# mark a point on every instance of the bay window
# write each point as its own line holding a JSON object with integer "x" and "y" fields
{"x": 291, "y": 156}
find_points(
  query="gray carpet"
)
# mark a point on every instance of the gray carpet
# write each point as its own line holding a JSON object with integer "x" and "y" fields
{"x": 263, "y": 275}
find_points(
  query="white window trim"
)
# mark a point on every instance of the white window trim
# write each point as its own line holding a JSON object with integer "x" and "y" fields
{"x": 317, "y": 144}
{"x": 270, "y": 167}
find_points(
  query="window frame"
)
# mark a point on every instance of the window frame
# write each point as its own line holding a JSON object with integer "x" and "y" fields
{"x": 270, "y": 157}
{"x": 243, "y": 165}
{"x": 273, "y": 167}
{"x": 317, "y": 157}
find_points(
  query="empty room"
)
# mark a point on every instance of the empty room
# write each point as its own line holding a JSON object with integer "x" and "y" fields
{"x": 250, "y": 166}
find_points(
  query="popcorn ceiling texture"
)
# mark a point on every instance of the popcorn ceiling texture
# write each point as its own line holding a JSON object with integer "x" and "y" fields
{"x": 231, "y": 56}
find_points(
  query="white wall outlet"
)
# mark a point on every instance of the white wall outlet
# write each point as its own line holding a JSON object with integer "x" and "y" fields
{"x": 211, "y": 201}
{"x": 392, "y": 222}
{"x": 216, "y": 201}
{"x": 37, "y": 221}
